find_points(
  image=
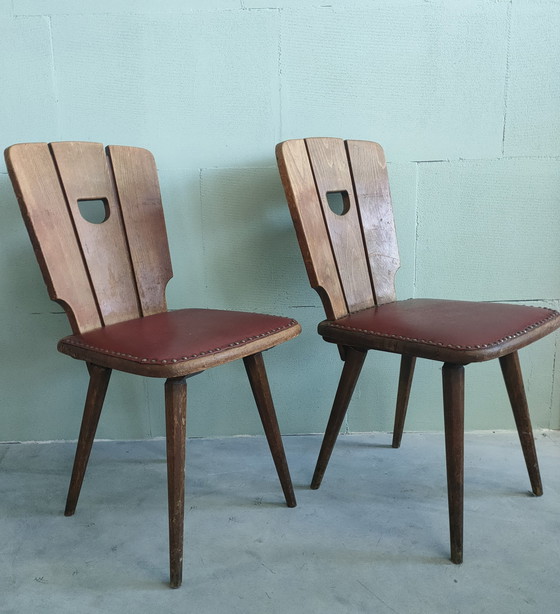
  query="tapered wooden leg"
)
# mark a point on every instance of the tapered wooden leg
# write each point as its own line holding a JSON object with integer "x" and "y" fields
{"x": 98, "y": 381}
{"x": 176, "y": 431}
{"x": 256, "y": 372}
{"x": 405, "y": 383}
{"x": 511, "y": 370}
{"x": 453, "y": 410}
{"x": 352, "y": 367}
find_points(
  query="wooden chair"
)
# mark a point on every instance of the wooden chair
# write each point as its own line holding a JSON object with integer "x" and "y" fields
{"x": 338, "y": 194}
{"x": 110, "y": 277}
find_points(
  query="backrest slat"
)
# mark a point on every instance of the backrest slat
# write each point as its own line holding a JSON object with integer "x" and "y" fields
{"x": 305, "y": 208}
{"x": 137, "y": 186}
{"x": 43, "y": 206}
{"x": 371, "y": 183}
{"x": 84, "y": 174}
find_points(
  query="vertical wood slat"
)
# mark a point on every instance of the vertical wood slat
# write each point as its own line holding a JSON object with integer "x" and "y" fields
{"x": 43, "y": 207}
{"x": 371, "y": 183}
{"x": 137, "y": 185}
{"x": 305, "y": 209}
{"x": 84, "y": 174}
{"x": 331, "y": 170}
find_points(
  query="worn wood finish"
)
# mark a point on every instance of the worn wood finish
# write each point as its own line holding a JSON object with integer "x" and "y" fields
{"x": 137, "y": 184}
{"x": 332, "y": 174}
{"x": 369, "y": 172}
{"x": 175, "y": 434}
{"x": 43, "y": 206}
{"x": 85, "y": 174}
{"x": 110, "y": 278}
{"x": 256, "y": 372}
{"x": 99, "y": 380}
{"x": 350, "y": 373}
{"x": 306, "y": 211}
{"x": 405, "y": 383}
{"x": 511, "y": 370}
{"x": 363, "y": 313}
{"x": 453, "y": 410}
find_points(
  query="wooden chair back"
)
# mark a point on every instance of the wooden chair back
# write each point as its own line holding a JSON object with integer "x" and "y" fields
{"x": 351, "y": 252}
{"x": 105, "y": 272}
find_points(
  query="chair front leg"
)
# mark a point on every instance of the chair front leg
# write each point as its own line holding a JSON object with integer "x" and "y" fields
{"x": 176, "y": 431}
{"x": 453, "y": 411}
{"x": 405, "y": 382}
{"x": 513, "y": 378}
{"x": 98, "y": 381}
{"x": 256, "y": 372}
{"x": 354, "y": 360}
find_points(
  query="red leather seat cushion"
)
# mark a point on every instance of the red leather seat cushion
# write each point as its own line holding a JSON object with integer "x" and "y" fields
{"x": 458, "y": 326}
{"x": 178, "y": 336}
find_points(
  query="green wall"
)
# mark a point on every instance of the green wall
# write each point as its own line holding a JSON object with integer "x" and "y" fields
{"x": 463, "y": 95}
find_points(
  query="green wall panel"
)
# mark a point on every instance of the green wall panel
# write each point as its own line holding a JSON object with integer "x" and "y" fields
{"x": 463, "y": 97}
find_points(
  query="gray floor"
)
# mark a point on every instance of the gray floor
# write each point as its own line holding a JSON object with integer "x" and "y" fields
{"x": 374, "y": 538}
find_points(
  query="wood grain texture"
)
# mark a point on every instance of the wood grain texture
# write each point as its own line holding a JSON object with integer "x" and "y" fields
{"x": 371, "y": 183}
{"x": 305, "y": 209}
{"x": 43, "y": 206}
{"x": 124, "y": 260}
{"x": 351, "y": 257}
{"x": 137, "y": 185}
{"x": 85, "y": 174}
{"x": 332, "y": 174}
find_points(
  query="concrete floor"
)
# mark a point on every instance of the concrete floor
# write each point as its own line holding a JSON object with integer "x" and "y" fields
{"x": 374, "y": 538}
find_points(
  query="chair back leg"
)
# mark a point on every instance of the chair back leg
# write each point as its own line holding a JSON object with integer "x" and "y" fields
{"x": 405, "y": 383}
{"x": 353, "y": 363}
{"x": 176, "y": 432}
{"x": 256, "y": 372}
{"x": 453, "y": 412}
{"x": 513, "y": 378}
{"x": 98, "y": 381}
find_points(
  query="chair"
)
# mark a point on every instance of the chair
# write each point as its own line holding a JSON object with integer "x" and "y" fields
{"x": 338, "y": 194}
{"x": 110, "y": 275}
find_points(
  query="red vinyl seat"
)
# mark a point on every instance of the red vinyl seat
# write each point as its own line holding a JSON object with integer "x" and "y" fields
{"x": 451, "y": 331}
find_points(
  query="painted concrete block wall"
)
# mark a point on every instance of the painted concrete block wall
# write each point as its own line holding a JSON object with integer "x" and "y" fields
{"x": 463, "y": 95}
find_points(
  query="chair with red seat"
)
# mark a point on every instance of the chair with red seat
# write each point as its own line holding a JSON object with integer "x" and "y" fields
{"x": 109, "y": 269}
{"x": 339, "y": 199}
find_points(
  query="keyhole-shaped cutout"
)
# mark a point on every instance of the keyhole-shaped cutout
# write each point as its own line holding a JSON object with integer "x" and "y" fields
{"x": 338, "y": 202}
{"x": 94, "y": 210}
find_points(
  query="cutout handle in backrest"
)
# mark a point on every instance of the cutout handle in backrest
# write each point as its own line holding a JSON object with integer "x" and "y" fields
{"x": 351, "y": 258}
{"x": 332, "y": 174}
{"x": 85, "y": 175}
{"x": 339, "y": 202}
{"x": 94, "y": 210}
